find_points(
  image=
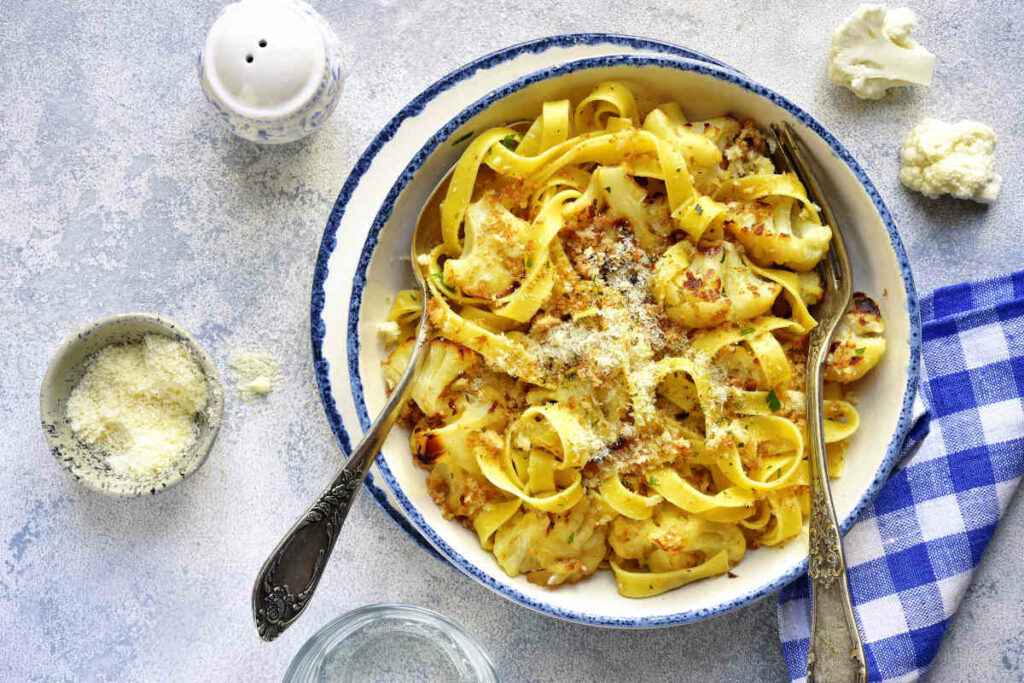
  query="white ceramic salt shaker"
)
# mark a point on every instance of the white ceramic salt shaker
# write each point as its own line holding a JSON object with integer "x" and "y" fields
{"x": 272, "y": 69}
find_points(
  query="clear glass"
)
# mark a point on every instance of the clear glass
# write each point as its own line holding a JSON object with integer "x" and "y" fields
{"x": 392, "y": 643}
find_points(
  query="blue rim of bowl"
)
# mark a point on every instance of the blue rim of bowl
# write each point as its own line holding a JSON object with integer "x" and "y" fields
{"x": 719, "y": 73}
{"x": 321, "y": 366}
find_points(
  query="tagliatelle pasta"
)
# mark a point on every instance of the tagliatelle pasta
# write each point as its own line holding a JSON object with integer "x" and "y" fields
{"x": 621, "y": 300}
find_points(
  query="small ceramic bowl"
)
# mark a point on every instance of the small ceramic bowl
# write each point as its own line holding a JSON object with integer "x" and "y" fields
{"x": 88, "y": 464}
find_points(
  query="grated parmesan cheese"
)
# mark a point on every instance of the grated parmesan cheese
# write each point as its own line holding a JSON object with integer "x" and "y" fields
{"x": 138, "y": 402}
{"x": 255, "y": 373}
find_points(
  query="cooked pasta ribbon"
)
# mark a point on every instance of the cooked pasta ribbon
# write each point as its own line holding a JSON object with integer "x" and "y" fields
{"x": 611, "y": 99}
{"x": 496, "y": 465}
{"x": 492, "y": 518}
{"x": 625, "y": 502}
{"x": 759, "y": 431}
{"x": 540, "y": 277}
{"x": 685, "y": 496}
{"x": 559, "y": 430}
{"x": 759, "y": 336}
{"x": 499, "y": 350}
{"x": 647, "y": 584}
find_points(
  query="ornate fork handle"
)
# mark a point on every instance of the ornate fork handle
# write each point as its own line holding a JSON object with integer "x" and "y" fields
{"x": 834, "y": 653}
{"x": 289, "y": 576}
{"x": 300, "y": 558}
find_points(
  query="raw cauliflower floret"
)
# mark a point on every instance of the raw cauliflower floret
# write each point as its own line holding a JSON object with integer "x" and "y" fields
{"x": 872, "y": 51}
{"x": 951, "y": 158}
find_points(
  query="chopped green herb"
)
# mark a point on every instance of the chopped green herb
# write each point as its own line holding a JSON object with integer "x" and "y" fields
{"x": 528, "y": 262}
{"x": 572, "y": 537}
{"x": 439, "y": 279}
{"x": 510, "y": 141}
{"x": 462, "y": 138}
{"x": 653, "y": 481}
{"x": 859, "y": 351}
{"x": 773, "y": 401}
{"x": 747, "y": 330}
{"x": 698, "y": 209}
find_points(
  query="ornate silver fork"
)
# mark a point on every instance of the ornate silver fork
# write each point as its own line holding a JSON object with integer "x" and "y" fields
{"x": 835, "y": 653}
{"x": 290, "y": 575}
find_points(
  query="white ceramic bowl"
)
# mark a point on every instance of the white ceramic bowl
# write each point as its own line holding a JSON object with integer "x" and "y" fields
{"x": 347, "y": 351}
{"x": 88, "y": 464}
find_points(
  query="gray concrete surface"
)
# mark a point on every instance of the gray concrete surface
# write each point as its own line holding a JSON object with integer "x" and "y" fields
{"x": 119, "y": 190}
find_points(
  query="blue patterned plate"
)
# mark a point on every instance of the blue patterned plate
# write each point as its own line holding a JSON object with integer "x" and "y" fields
{"x": 378, "y": 205}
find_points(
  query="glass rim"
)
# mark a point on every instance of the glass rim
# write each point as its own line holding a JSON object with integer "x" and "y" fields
{"x": 306, "y": 663}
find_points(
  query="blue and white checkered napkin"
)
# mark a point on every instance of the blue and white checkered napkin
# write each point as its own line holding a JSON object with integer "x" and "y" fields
{"x": 912, "y": 553}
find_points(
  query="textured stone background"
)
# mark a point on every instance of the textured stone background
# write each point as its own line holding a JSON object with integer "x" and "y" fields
{"x": 120, "y": 191}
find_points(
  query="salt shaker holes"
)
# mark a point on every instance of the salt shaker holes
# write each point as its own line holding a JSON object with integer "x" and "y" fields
{"x": 249, "y": 58}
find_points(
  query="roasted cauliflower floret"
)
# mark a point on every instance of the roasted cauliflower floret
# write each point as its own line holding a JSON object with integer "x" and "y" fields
{"x": 858, "y": 343}
{"x": 492, "y": 259}
{"x": 811, "y": 290}
{"x": 780, "y": 232}
{"x": 679, "y": 533}
{"x": 515, "y": 542}
{"x": 704, "y": 287}
{"x": 673, "y": 539}
{"x": 396, "y": 362}
{"x": 747, "y": 154}
{"x": 721, "y": 130}
{"x": 459, "y": 493}
{"x": 573, "y": 548}
{"x": 456, "y": 438}
{"x": 445, "y": 361}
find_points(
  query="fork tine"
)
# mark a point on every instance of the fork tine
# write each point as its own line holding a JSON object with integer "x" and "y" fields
{"x": 791, "y": 149}
{"x": 779, "y": 156}
{"x": 784, "y": 162}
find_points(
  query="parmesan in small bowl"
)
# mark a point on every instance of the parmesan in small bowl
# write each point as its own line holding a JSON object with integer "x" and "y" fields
{"x": 131, "y": 405}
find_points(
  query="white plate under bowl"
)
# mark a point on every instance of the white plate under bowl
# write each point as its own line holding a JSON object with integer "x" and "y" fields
{"x": 363, "y": 284}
